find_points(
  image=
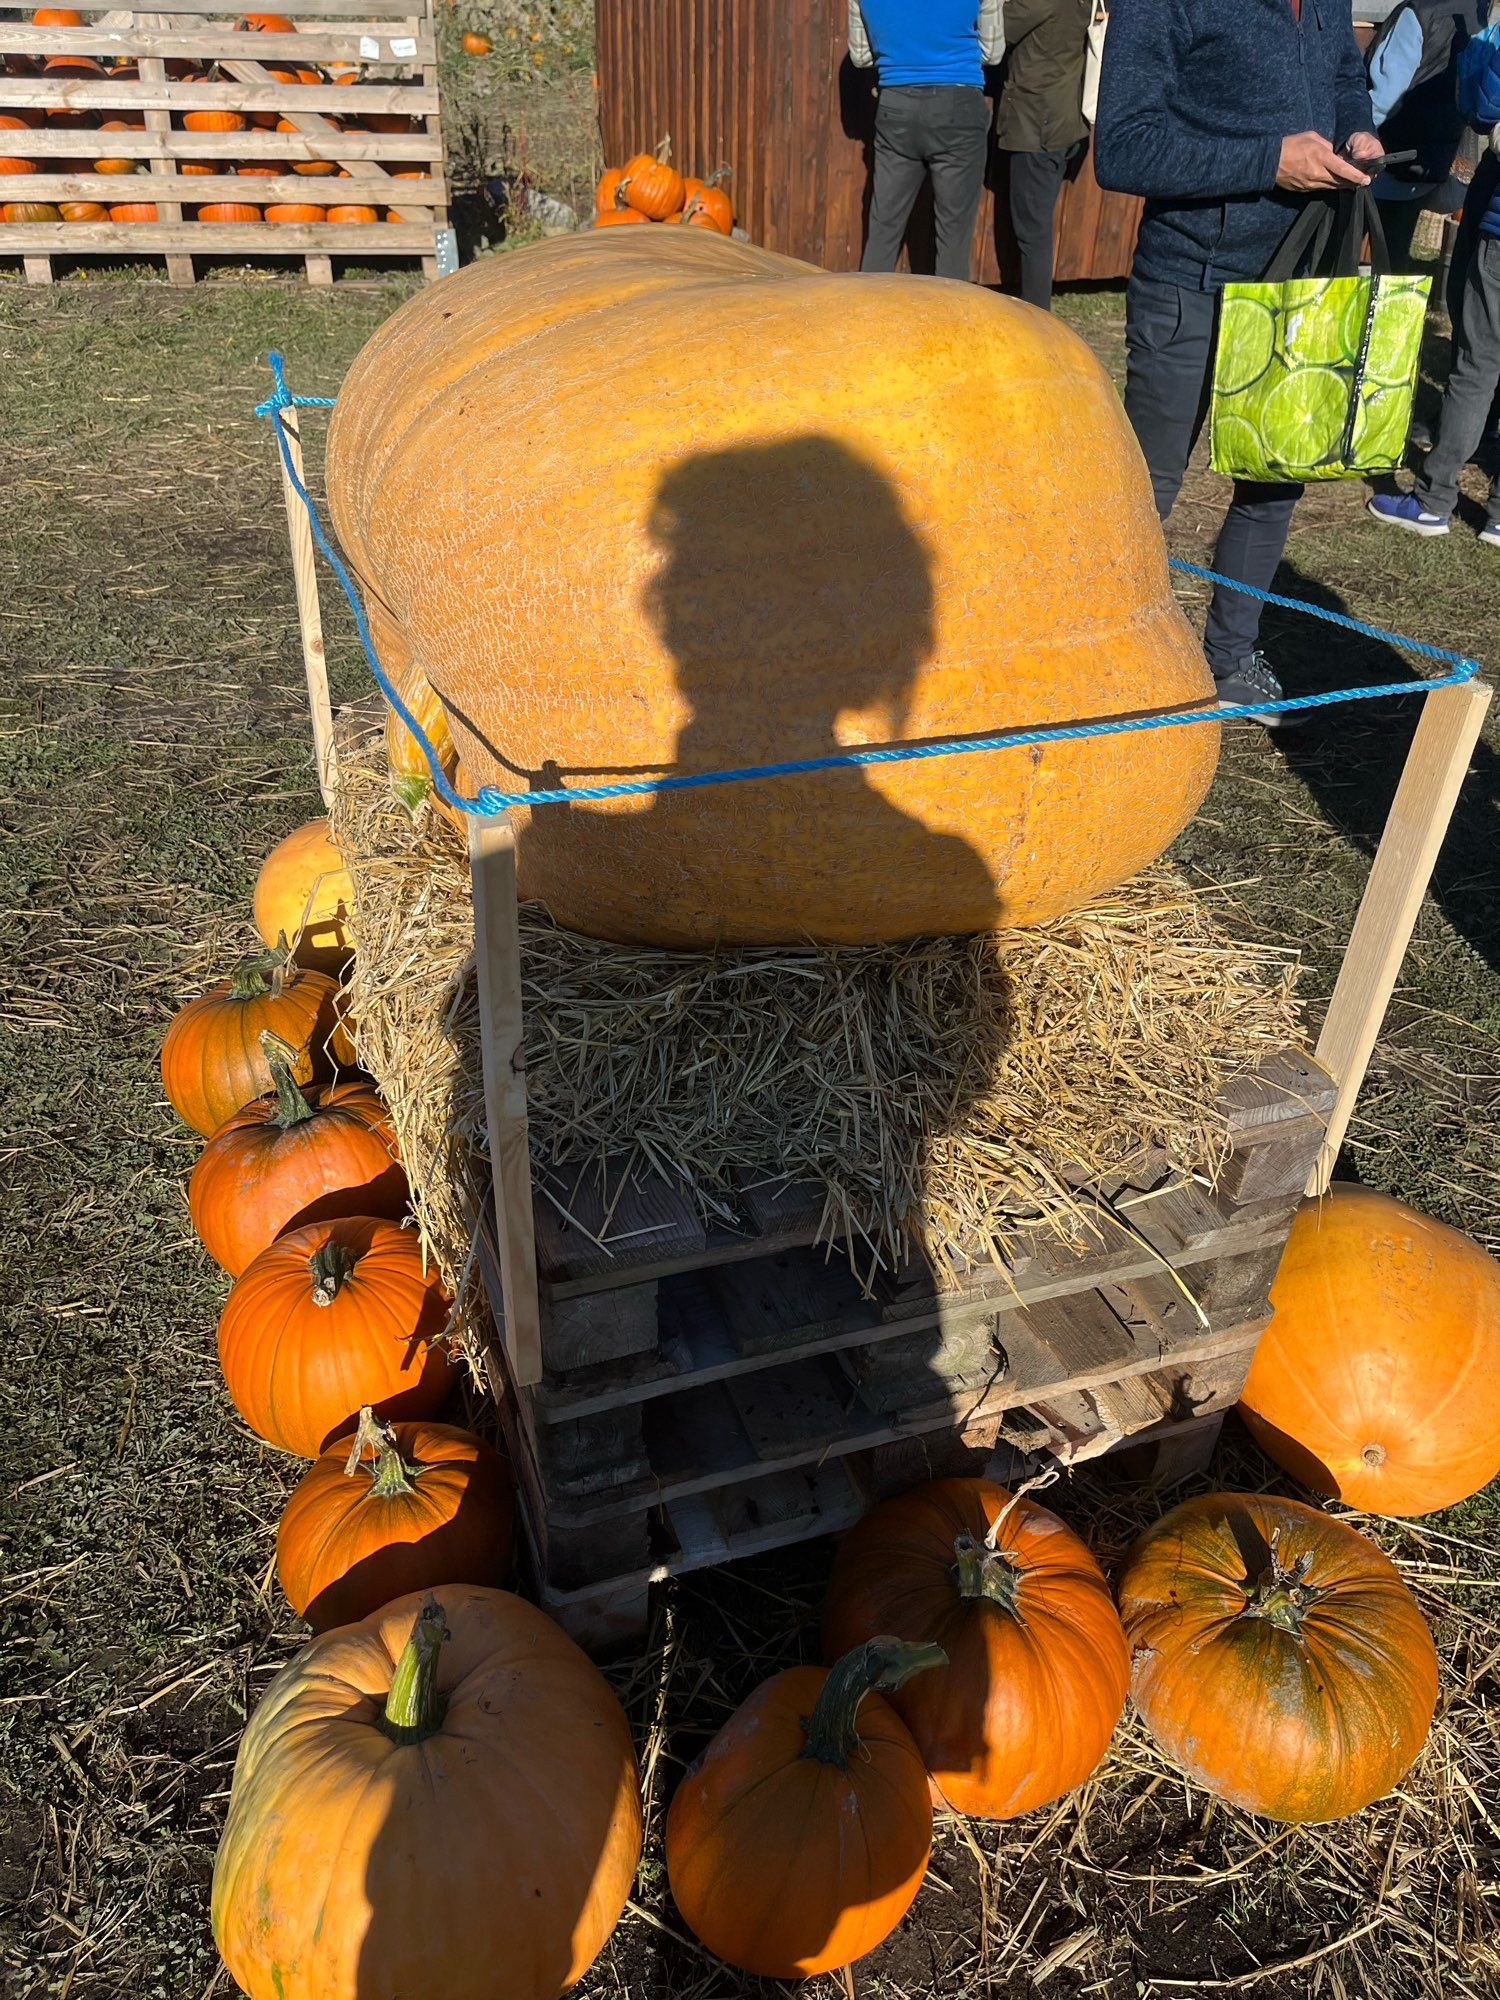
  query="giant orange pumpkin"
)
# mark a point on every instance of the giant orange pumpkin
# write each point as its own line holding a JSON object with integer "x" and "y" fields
{"x": 440, "y": 1799}
{"x": 1277, "y": 1656}
{"x": 292, "y": 1158}
{"x": 303, "y": 892}
{"x": 406, "y": 1507}
{"x": 332, "y": 1316}
{"x": 1037, "y": 1665}
{"x": 847, "y": 543}
{"x": 800, "y": 1840}
{"x": 1378, "y": 1378}
{"x": 212, "y": 1063}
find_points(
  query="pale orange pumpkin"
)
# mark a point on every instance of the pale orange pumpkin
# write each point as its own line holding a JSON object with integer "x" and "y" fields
{"x": 294, "y": 211}
{"x": 229, "y": 211}
{"x": 303, "y": 892}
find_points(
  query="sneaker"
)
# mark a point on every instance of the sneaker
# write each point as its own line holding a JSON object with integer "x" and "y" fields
{"x": 1249, "y": 682}
{"x": 1404, "y": 510}
{"x": 1490, "y": 534}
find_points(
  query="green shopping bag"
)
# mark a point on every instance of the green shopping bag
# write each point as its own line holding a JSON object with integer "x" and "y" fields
{"x": 1313, "y": 377}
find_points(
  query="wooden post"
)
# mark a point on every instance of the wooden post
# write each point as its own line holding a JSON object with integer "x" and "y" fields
{"x": 1387, "y": 915}
{"x": 153, "y": 70}
{"x": 309, "y": 615}
{"x": 497, "y": 961}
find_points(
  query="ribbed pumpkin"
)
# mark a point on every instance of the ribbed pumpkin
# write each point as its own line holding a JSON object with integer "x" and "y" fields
{"x": 1037, "y": 1664}
{"x": 213, "y": 121}
{"x": 1277, "y": 1656}
{"x": 411, "y": 778}
{"x": 801, "y": 1838}
{"x": 332, "y": 1316}
{"x": 292, "y": 1158}
{"x": 303, "y": 894}
{"x": 441, "y": 1799}
{"x": 229, "y": 211}
{"x": 30, "y": 211}
{"x": 294, "y": 211}
{"x": 212, "y": 1064}
{"x": 652, "y": 185}
{"x": 133, "y": 211}
{"x": 82, "y": 211}
{"x": 668, "y": 583}
{"x": 1378, "y": 1378}
{"x": 406, "y": 1507}
{"x": 352, "y": 212}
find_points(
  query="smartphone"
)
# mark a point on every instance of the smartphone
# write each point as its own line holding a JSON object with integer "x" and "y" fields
{"x": 1382, "y": 161}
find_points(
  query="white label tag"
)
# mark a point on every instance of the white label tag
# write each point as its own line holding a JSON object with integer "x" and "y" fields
{"x": 368, "y": 46}
{"x": 403, "y": 45}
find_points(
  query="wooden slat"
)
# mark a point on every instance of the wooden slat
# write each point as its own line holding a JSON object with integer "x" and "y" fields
{"x": 309, "y": 613}
{"x": 312, "y": 15}
{"x": 153, "y": 73}
{"x": 208, "y": 239}
{"x": 104, "y": 94}
{"x": 321, "y": 189}
{"x": 407, "y": 148}
{"x": 211, "y": 44}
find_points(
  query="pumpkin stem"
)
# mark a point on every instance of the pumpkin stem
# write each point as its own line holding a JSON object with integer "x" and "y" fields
{"x": 664, "y": 150}
{"x": 832, "y": 1734}
{"x": 988, "y": 1572}
{"x": 292, "y": 1108}
{"x": 254, "y": 977}
{"x": 414, "y": 1708}
{"x": 409, "y": 788}
{"x": 1282, "y": 1595}
{"x": 391, "y": 1473}
{"x": 332, "y": 1266}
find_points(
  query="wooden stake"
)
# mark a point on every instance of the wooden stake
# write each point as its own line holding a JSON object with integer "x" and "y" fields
{"x": 1403, "y": 865}
{"x": 497, "y": 959}
{"x": 153, "y": 70}
{"x": 309, "y": 615}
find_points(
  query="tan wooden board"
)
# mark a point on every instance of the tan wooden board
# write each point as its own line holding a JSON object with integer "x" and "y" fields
{"x": 314, "y": 14}
{"x": 19, "y": 93}
{"x": 390, "y": 44}
{"x": 324, "y": 190}
{"x": 208, "y": 239}
{"x": 405, "y": 148}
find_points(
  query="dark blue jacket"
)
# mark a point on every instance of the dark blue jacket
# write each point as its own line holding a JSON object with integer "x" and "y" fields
{"x": 1479, "y": 100}
{"x": 1195, "y": 99}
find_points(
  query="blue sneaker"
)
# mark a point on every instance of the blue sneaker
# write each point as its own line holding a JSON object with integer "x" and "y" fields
{"x": 1404, "y": 510}
{"x": 1490, "y": 534}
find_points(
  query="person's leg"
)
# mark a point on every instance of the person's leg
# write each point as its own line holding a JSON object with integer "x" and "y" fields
{"x": 959, "y": 144}
{"x": 1470, "y": 393}
{"x": 1035, "y": 182}
{"x": 896, "y": 179}
{"x": 1168, "y": 354}
{"x": 1251, "y": 543}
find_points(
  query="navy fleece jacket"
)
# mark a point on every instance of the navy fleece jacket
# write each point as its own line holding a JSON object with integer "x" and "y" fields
{"x": 1195, "y": 99}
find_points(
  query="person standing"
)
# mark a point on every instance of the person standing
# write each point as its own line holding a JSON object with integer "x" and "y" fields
{"x": 1225, "y": 117}
{"x": 1041, "y": 125}
{"x": 1413, "y": 71}
{"x": 932, "y": 117}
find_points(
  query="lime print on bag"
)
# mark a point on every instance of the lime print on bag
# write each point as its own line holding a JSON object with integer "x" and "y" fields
{"x": 1313, "y": 377}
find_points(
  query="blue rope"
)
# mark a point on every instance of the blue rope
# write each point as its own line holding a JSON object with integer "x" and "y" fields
{"x": 490, "y": 801}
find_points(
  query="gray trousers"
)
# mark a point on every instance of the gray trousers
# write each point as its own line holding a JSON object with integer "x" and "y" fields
{"x": 921, "y": 129}
{"x": 1472, "y": 383}
{"x": 1035, "y": 183}
{"x": 1169, "y": 350}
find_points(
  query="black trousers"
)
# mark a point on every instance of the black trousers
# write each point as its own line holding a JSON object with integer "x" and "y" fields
{"x": 1035, "y": 183}
{"x": 1472, "y": 384}
{"x": 1169, "y": 348}
{"x": 921, "y": 129}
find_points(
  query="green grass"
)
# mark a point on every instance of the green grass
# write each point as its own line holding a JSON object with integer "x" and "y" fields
{"x": 155, "y": 746}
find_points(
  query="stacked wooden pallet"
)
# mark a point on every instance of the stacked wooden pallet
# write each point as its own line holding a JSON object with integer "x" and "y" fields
{"x": 712, "y": 1392}
{"x": 341, "y": 113}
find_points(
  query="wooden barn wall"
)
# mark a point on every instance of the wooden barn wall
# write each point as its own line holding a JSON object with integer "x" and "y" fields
{"x": 764, "y": 88}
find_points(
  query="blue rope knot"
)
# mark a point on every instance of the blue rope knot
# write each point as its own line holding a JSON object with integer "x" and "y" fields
{"x": 489, "y": 802}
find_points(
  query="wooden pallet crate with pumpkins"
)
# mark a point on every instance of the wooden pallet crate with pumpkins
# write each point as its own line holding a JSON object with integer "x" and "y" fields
{"x": 189, "y": 133}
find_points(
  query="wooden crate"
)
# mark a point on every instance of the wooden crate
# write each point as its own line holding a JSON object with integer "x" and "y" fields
{"x": 396, "y": 61}
{"x": 709, "y": 1393}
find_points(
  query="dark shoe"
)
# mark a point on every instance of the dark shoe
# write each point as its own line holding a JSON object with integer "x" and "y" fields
{"x": 1250, "y": 682}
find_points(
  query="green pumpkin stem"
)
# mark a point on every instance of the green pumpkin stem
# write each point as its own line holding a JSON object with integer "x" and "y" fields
{"x": 988, "y": 1572}
{"x": 391, "y": 1474}
{"x": 292, "y": 1108}
{"x": 254, "y": 977}
{"x": 414, "y": 1708}
{"x": 1281, "y": 1594}
{"x": 332, "y": 1266}
{"x": 832, "y": 1731}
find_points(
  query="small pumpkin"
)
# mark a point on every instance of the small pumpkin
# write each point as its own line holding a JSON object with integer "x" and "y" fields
{"x": 30, "y": 211}
{"x": 352, "y": 212}
{"x": 475, "y": 44}
{"x": 801, "y": 1838}
{"x": 1278, "y": 1658}
{"x": 113, "y": 163}
{"x": 293, "y": 1158}
{"x": 1378, "y": 1377}
{"x": 257, "y": 170}
{"x": 332, "y": 1316}
{"x": 607, "y": 195}
{"x": 228, "y": 211}
{"x": 266, "y": 24}
{"x": 652, "y": 185}
{"x": 83, "y": 211}
{"x": 212, "y": 1064}
{"x": 11, "y": 163}
{"x": 1037, "y": 1663}
{"x": 57, "y": 17}
{"x": 303, "y": 891}
{"x": 133, "y": 211}
{"x": 294, "y": 211}
{"x": 405, "y": 1507}
{"x": 74, "y": 65}
{"x": 213, "y": 121}
{"x": 708, "y": 207}
{"x": 614, "y": 215}
{"x": 445, "y": 1791}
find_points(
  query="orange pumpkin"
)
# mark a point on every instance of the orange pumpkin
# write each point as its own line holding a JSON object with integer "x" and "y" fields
{"x": 332, "y": 1316}
{"x": 203, "y": 167}
{"x": 25, "y": 120}
{"x": 609, "y": 216}
{"x": 271, "y": 121}
{"x": 352, "y": 212}
{"x": 133, "y": 211}
{"x": 475, "y": 45}
{"x": 1378, "y": 1378}
{"x": 9, "y": 164}
{"x": 57, "y": 17}
{"x": 258, "y": 172}
{"x": 111, "y": 164}
{"x": 292, "y": 1158}
{"x": 76, "y": 65}
{"x": 837, "y": 568}
{"x": 29, "y": 211}
{"x": 651, "y": 184}
{"x": 801, "y": 1838}
{"x": 387, "y": 121}
{"x": 406, "y": 1507}
{"x": 1037, "y": 1664}
{"x": 709, "y": 207}
{"x": 212, "y": 1064}
{"x": 213, "y": 121}
{"x": 83, "y": 211}
{"x": 229, "y": 211}
{"x": 1277, "y": 1656}
{"x": 266, "y": 24}
{"x": 303, "y": 892}
{"x": 411, "y": 777}
{"x": 607, "y": 195}
{"x": 294, "y": 211}
{"x": 449, "y": 1782}
{"x": 341, "y": 1042}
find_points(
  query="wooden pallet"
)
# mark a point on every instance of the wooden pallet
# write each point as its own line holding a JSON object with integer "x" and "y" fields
{"x": 396, "y": 61}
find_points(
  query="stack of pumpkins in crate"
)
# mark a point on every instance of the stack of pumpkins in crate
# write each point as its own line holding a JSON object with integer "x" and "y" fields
{"x": 64, "y": 67}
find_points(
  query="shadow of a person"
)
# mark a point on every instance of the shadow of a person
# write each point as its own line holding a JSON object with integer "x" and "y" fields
{"x": 798, "y": 550}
